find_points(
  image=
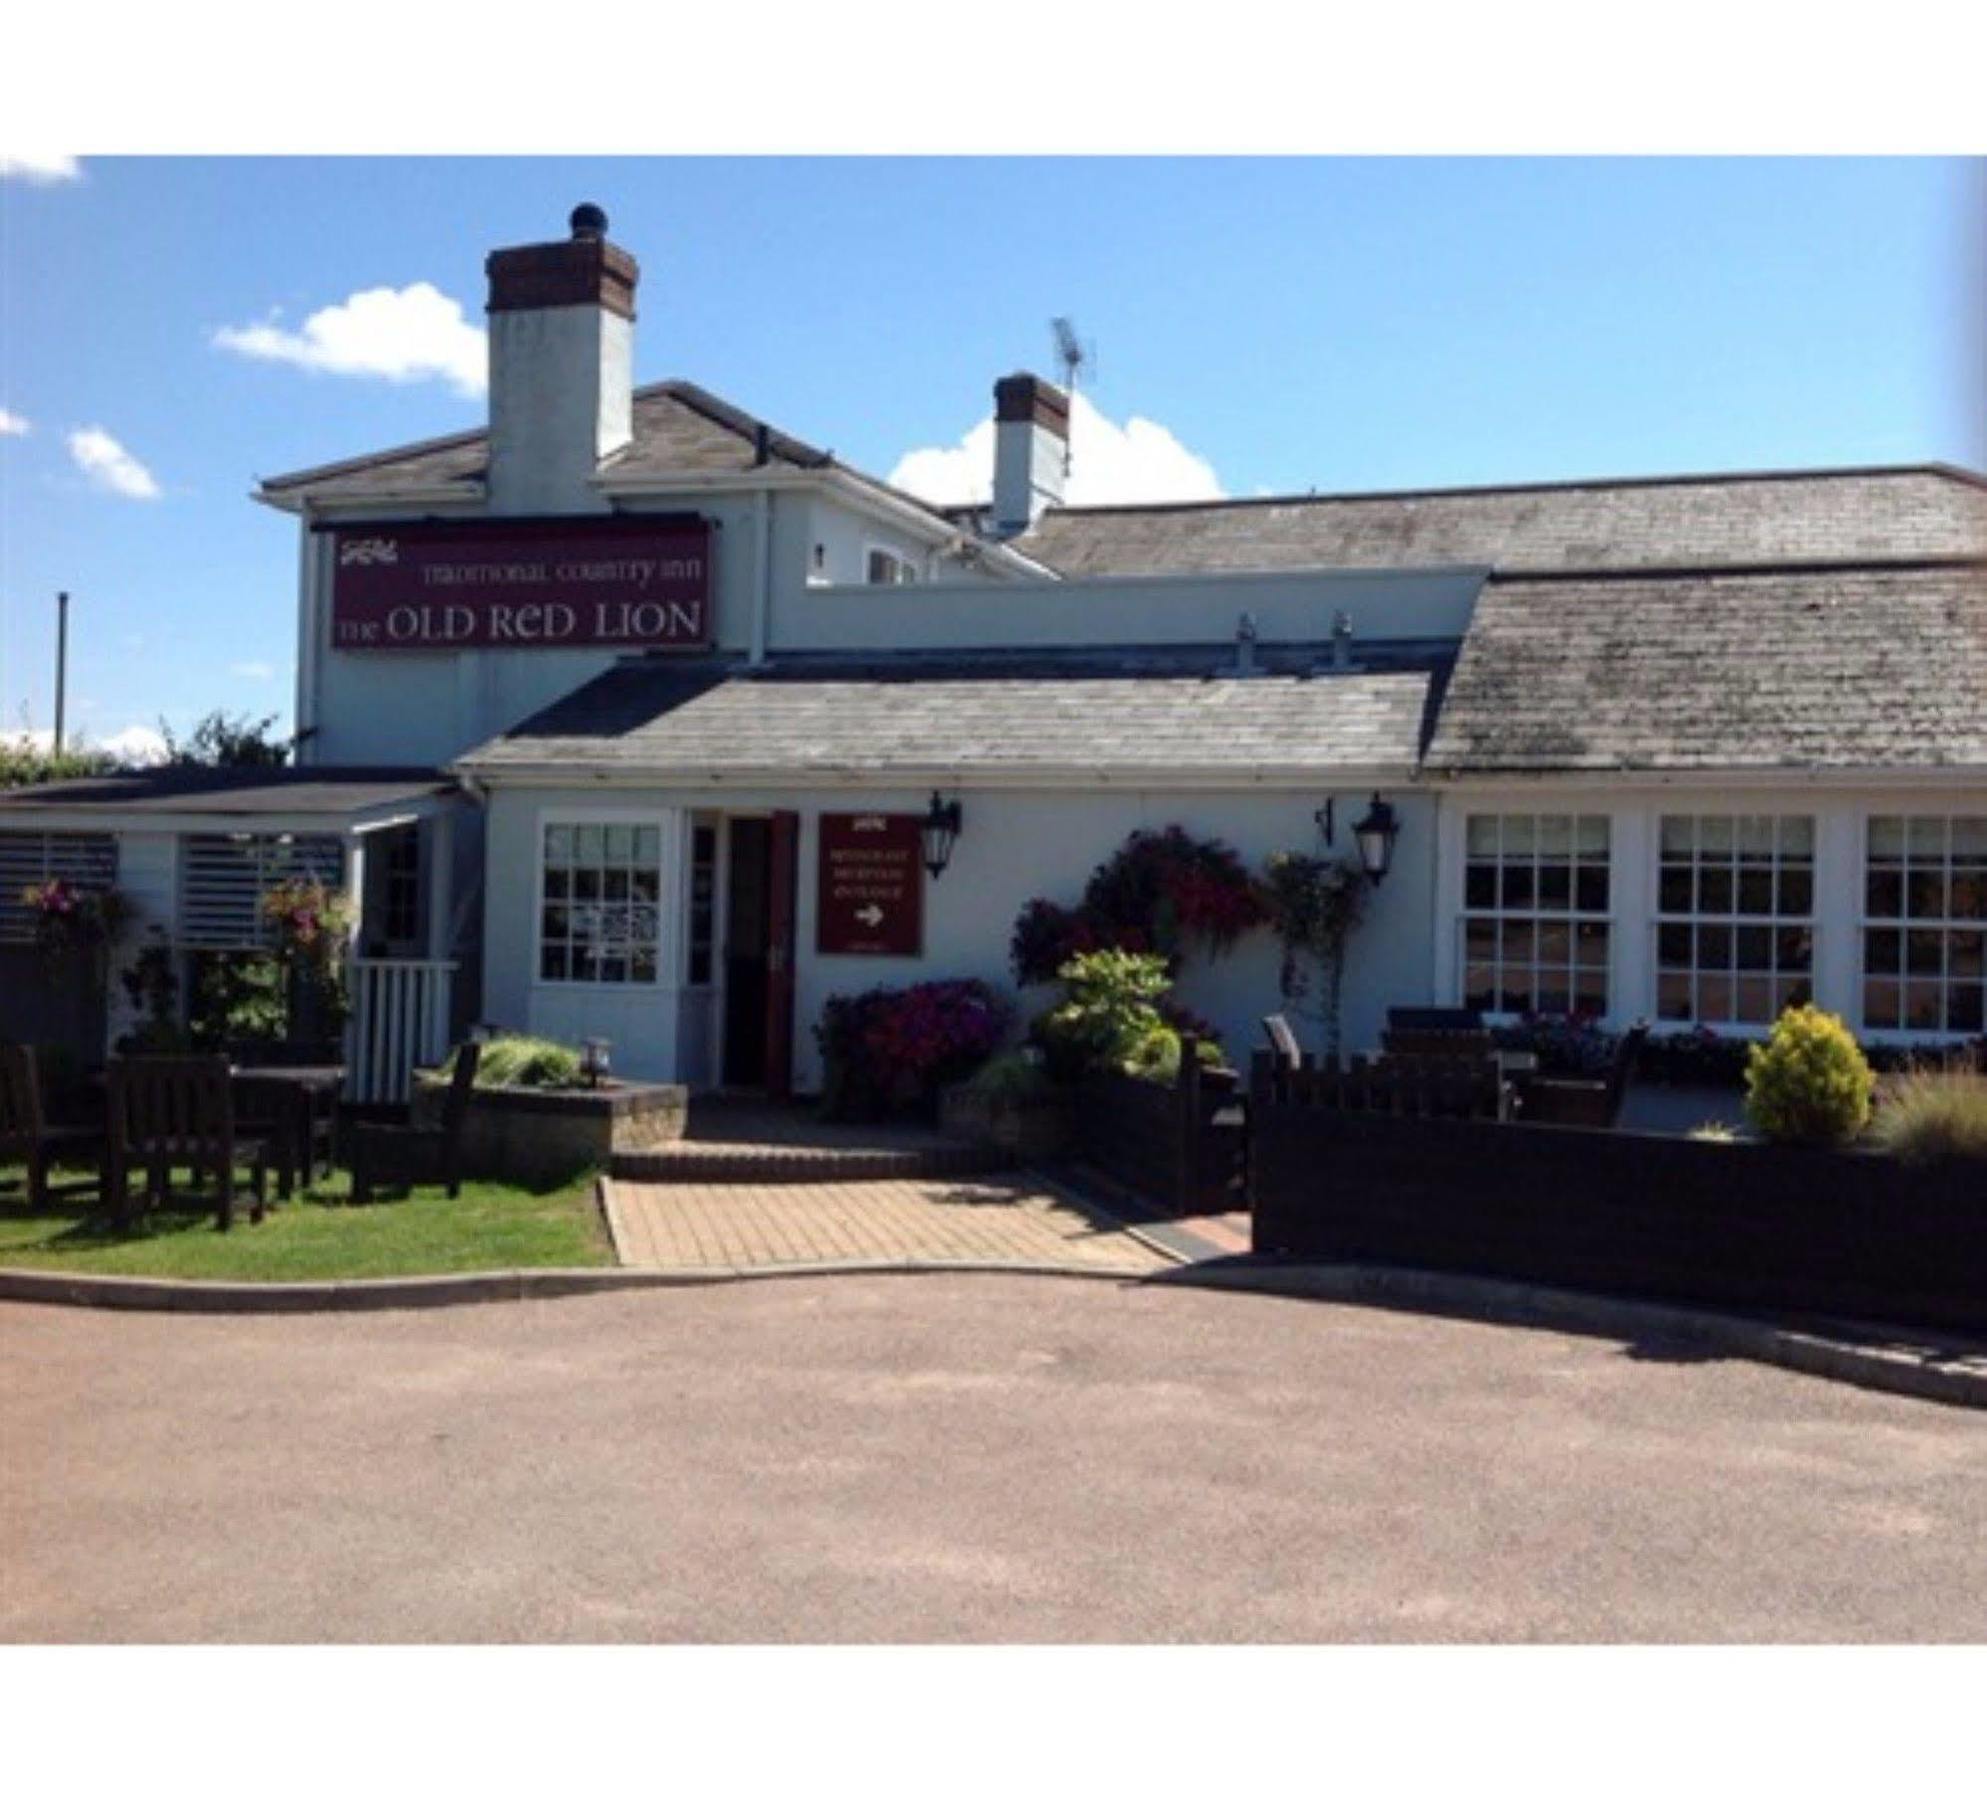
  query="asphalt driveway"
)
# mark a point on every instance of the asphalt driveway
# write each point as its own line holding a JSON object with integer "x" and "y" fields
{"x": 953, "y": 1457}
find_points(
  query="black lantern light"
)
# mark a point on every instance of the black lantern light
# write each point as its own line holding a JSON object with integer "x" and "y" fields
{"x": 939, "y": 832}
{"x": 1375, "y": 834}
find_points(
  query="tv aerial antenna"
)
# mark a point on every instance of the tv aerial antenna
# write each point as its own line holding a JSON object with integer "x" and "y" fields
{"x": 1078, "y": 362}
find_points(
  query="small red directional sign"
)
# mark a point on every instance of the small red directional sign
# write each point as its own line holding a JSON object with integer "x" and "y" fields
{"x": 871, "y": 896}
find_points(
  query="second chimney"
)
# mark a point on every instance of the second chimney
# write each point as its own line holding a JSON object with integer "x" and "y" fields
{"x": 562, "y": 367}
{"x": 1031, "y": 446}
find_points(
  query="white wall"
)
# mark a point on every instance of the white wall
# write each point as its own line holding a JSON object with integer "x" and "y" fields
{"x": 1015, "y": 847}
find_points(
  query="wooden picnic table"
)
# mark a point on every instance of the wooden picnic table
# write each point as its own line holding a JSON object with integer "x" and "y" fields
{"x": 301, "y": 1097}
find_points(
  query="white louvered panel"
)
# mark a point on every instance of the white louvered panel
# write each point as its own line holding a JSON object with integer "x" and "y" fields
{"x": 398, "y": 1023}
{"x": 223, "y": 879}
{"x": 88, "y": 858}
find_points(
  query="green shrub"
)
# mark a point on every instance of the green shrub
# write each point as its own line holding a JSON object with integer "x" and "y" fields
{"x": 1015, "y": 1079}
{"x": 1112, "y": 1017}
{"x": 1808, "y": 1083}
{"x": 517, "y": 1061}
{"x": 1927, "y": 1115}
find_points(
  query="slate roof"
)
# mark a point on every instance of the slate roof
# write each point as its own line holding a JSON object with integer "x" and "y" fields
{"x": 680, "y": 429}
{"x": 912, "y": 715}
{"x": 1876, "y": 668}
{"x": 1845, "y": 515}
{"x": 332, "y": 793}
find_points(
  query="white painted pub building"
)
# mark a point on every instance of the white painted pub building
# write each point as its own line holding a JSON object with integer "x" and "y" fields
{"x": 620, "y": 719}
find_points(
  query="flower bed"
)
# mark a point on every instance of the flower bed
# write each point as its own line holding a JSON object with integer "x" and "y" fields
{"x": 540, "y": 1135}
{"x": 890, "y": 1050}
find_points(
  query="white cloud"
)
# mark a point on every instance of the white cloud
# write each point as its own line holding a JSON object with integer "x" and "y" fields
{"x": 1110, "y": 464}
{"x": 38, "y": 166}
{"x": 12, "y": 424}
{"x": 112, "y": 467}
{"x": 415, "y": 333}
{"x": 134, "y": 744}
{"x": 252, "y": 671}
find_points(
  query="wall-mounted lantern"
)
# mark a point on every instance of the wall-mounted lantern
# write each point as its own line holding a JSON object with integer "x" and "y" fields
{"x": 1375, "y": 834}
{"x": 940, "y": 832}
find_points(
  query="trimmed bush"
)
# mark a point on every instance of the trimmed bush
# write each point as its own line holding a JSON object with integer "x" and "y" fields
{"x": 1808, "y": 1083}
{"x": 1928, "y": 1115}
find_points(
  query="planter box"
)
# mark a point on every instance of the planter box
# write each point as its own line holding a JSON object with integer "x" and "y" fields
{"x": 540, "y": 1136}
{"x": 1760, "y": 1226}
{"x": 1029, "y": 1131}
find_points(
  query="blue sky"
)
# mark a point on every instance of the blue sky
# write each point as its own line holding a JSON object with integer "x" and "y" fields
{"x": 1280, "y": 325}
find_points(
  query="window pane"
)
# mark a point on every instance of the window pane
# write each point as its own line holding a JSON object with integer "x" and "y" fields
{"x": 1679, "y": 835}
{"x": 1590, "y": 944}
{"x": 1714, "y": 890}
{"x": 1590, "y": 991}
{"x": 1591, "y": 835}
{"x": 1753, "y": 1001}
{"x": 1922, "y": 1010}
{"x": 1555, "y": 945}
{"x": 1517, "y": 892}
{"x": 1924, "y": 952}
{"x": 1514, "y": 993}
{"x": 1480, "y": 940}
{"x": 556, "y": 884}
{"x": 1520, "y": 834}
{"x": 558, "y": 844}
{"x": 641, "y": 965}
{"x": 645, "y": 884}
{"x": 1797, "y": 836}
{"x": 1883, "y": 896}
{"x": 1755, "y": 891}
{"x": 1517, "y": 941}
{"x": 552, "y": 963}
{"x": 1673, "y": 996}
{"x": 1963, "y": 1007}
{"x": 586, "y": 884}
{"x": 1590, "y": 888}
{"x": 1714, "y": 837}
{"x": 1963, "y": 955}
{"x": 1967, "y": 898}
{"x": 1755, "y": 839}
{"x": 1555, "y": 887}
{"x": 589, "y": 843}
{"x": 1883, "y": 952}
{"x": 1753, "y": 948}
{"x": 1880, "y": 1004}
{"x": 1970, "y": 839}
{"x": 1797, "y": 892}
{"x": 1925, "y": 893}
{"x": 1481, "y": 834}
{"x": 620, "y": 843}
{"x": 1480, "y": 987}
{"x": 1887, "y": 838}
{"x": 1673, "y": 946}
{"x": 1797, "y": 948}
{"x": 1480, "y": 885}
{"x": 553, "y": 924}
{"x": 614, "y": 885}
{"x": 1714, "y": 999}
{"x": 648, "y": 843}
{"x": 1673, "y": 888}
{"x": 1555, "y": 835}
{"x": 1926, "y": 837}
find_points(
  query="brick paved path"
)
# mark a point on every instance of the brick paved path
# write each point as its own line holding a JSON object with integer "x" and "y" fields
{"x": 739, "y": 1225}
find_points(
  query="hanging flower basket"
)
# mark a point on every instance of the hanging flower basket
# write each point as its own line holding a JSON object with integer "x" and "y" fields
{"x": 69, "y": 919}
{"x": 308, "y": 919}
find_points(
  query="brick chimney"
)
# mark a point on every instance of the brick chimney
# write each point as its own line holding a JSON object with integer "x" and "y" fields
{"x": 1031, "y": 445}
{"x": 562, "y": 361}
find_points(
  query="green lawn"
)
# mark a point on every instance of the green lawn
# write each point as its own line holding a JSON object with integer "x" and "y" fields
{"x": 316, "y": 1237}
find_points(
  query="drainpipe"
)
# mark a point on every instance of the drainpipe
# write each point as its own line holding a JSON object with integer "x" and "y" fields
{"x": 762, "y": 572}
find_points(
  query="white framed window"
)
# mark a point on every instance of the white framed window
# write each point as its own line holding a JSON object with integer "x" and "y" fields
{"x": 883, "y": 567}
{"x": 600, "y": 911}
{"x": 1735, "y": 925}
{"x": 1925, "y": 923}
{"x": 1536, "y": 926}
{"x": 700, "y": 948}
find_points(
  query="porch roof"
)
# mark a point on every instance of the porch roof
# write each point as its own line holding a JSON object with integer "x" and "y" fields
{"x": 345, "y": 801}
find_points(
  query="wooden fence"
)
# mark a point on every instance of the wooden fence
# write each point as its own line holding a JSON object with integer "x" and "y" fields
{"x": 1179, "y": 1145}
{"x": 1763, "y": 1227}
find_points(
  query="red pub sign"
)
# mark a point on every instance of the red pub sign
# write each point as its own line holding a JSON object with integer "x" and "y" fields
{"x": 622, "y": 581}
{"x": 870, "y": 900}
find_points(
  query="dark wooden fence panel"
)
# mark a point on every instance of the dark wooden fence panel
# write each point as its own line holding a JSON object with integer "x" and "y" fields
{"x": 1181, "y": 1147}
{"x": 1759, "y": 1226}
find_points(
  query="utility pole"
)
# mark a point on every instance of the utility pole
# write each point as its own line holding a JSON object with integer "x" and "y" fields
{"x": 61, "y": 662}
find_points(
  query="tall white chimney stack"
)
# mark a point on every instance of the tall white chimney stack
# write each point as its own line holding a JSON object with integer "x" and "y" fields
{"x": 1031, "y": 446}
{"x": 562, "y": 367}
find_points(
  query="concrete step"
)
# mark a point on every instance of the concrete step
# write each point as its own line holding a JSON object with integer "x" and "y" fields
{"x": 694, "y": 1161}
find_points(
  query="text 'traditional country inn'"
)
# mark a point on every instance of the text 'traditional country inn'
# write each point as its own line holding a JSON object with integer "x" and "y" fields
{"x": 629, "y": 716}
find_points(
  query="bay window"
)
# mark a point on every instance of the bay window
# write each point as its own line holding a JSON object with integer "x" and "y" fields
{"x": 1735, "y": 932}
{"x": 1925, "y": 923}
{"x": 1536, "y": 905}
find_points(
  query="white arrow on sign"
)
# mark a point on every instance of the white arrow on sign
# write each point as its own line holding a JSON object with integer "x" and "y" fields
{"x": 871, "y": 915}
